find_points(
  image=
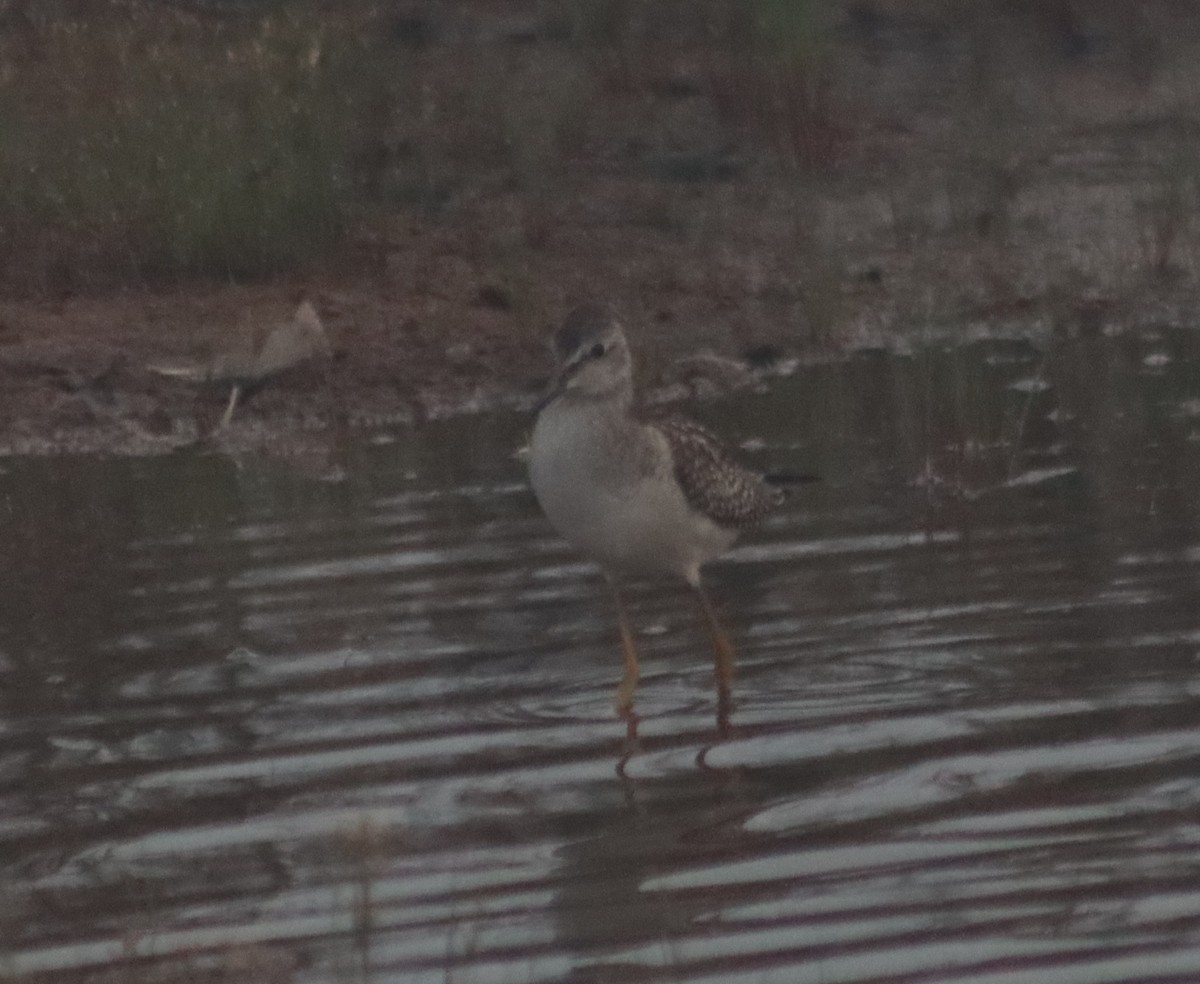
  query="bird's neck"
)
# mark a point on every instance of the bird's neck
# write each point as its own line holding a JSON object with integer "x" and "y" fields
{"x": 618, "y": 394}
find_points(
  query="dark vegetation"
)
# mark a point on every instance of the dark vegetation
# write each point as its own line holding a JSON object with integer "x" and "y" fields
{"x": 444, "y": 178}
{"x": 143, "y": 140}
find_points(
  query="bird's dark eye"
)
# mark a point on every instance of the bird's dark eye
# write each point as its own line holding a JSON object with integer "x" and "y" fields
{"x": 597, "y": 350}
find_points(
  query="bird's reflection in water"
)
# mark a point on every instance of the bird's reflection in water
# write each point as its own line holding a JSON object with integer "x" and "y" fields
{"x": 609, "y": 915}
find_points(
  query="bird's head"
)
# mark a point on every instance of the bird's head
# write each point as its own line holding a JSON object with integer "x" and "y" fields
{"x": 593, "y": 357}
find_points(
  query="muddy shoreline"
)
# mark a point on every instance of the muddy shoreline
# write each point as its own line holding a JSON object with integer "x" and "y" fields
{"x": 1045, "y": 190}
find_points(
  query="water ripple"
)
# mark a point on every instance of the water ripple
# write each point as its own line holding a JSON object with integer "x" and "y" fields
{"x": 366, "y": 732}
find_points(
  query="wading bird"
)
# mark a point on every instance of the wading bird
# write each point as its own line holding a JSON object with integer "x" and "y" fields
{"x": 638, "y": 493}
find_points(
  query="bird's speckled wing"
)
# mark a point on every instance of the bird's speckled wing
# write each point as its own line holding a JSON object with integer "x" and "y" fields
{"x": 712, "y": 481}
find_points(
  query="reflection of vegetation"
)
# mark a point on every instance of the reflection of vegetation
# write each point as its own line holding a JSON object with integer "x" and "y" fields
{"x": 1172, "y": 201}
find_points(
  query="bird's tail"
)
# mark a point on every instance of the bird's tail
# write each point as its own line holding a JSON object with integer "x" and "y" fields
{"x": 788, "y": 479}
{"x": 784, "y": 483}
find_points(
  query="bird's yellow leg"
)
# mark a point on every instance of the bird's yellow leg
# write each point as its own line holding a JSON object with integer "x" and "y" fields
{"x": 233, "y": 401}
{"x": 629, "y": 679}
{"x": 722, "y": 647}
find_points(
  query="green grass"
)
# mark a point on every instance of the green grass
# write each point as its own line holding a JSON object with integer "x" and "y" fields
{"x": 776, "y": 79}
{"x": 142, "y": 142}
{"x": 142, "y": 147}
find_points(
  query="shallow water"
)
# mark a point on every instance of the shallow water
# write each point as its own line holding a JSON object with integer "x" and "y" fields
{"x": 267, "y": 727}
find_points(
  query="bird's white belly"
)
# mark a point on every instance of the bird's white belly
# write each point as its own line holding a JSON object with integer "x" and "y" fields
{"x": 620, "y": 515}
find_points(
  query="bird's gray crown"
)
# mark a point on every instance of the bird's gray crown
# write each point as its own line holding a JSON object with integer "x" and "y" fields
{"x": 583, "y": 324}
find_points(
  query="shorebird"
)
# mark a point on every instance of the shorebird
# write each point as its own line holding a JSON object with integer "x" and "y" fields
{"x": 256, "y": 351}
{"x": 637, "y": 492}
{"x": 265, "y": 351}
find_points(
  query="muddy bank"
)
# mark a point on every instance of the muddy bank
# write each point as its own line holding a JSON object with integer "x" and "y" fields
{"x": 982, "y": 171}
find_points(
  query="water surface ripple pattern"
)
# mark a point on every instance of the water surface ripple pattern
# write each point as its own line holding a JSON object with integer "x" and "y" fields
{"x": 363, "y": 730}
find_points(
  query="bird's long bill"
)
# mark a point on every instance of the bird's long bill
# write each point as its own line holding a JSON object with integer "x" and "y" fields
{"x": 552, "y": 393}
{"x": 557, "y": 387}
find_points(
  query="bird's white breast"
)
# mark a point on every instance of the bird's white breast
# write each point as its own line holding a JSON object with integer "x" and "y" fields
{"x": 607, "y": 484}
